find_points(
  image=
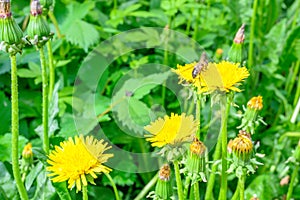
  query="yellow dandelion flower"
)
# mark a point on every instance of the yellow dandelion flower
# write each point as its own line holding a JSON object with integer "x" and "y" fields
{"x": 79, "y": 161}
{"x": 171, "y": 130}
{"x": 224, "y": 76}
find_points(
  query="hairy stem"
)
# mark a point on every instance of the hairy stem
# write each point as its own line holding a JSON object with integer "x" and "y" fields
{"x": 186, "y": 187}
{"x": 45, "y": 100}
{"x": 196, "y": 190}
{"x": 178, "y": 180}
{"x": 225, "y": 106}
{"x": 15, "y": 128}
{"x": 212, "y": 177}
{"x": 51, "y": 70}
{"x": 242, "y": 185}
{"x": 198, "y": 116}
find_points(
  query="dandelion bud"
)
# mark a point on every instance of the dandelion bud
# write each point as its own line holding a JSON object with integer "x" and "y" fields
{"x": 10, "y": 33}
{"x": 255, "y": 103}
{"x": 38, "y": 29}
{"x": 235, "y": 52}
{"x": 240, "y": 35}
{"x": 196, "y": 158}
{"x": 250, "y": 118}
{"x": 163, "y": 188}
{"x": 242, "y": 146}
{"x": 27, "y": 151}
{"x": 218, "y": 53}
{"x": 27, "y": 160}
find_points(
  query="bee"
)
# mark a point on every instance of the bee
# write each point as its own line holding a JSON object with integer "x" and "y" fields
{"x": 201, "y": 65}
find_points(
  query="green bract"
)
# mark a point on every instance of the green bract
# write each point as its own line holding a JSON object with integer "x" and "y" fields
{"x": 38, "y": 30}
{"x": 10, "y": 32}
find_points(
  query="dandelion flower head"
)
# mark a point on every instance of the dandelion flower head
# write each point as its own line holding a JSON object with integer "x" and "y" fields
{"x": 224, "y": 76}
{"x": 78, "y": 161}
{"x": 171, "y": 130}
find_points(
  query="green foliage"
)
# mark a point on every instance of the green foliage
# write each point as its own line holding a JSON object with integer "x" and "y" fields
{"x": 124, "y": 99}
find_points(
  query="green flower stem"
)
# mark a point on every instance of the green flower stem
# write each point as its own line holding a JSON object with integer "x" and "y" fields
{"x": 178, "y": 180}
{"x": 212, "y": 177}
{"x": 15, "y": 128}
{"x": 251, "y": 42}
{"x": 225, "y": 112}
{"x": 196, "y": 190}
{"x": 236, "y": 193}
{"x": 242, "y": 185}
{"x": 51, "y": 70}
{"x": 55, "y": 23}
{"x": 186, "y": 187}
{"x": 113, "y": 185}
{"x": 198, "y": 116}
{"x": 293, "y": 178}
{"x": 147, "y": 188}
{"x": 45, "y": 100}
{"x": 85, "y": 193}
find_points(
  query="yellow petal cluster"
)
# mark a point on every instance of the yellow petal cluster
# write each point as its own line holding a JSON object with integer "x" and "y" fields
{"x": 171, "y": 130}
{"x": 255, "y": 103}
{"x": 78, "y": 161}
{"x": 224, "y": 76}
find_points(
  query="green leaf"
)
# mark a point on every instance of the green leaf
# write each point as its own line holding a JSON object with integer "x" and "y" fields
{"x": 76, "y": 30}
{"x": 5, "y": 146}
{"x": 82, "y": 34}
{"x": 62, "y": 190}
{"x": 34, "y": 71}
{"x": 131, "y": 112}
{"x": 32, "y": 175}
{"x": 5, "y": 113}
{"x": 264, "y": 186}
{"x": 7, "y": 185}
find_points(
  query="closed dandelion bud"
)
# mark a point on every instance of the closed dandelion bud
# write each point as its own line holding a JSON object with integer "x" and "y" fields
{"x": 219, "y": 53}
{"x": 163, "y": 189}
{"x": 27, "y": 160}
{"x": 250, "y": 117}
{"x": 10, "y": 33}
{"x": 235, "y": 52}
{"x": 255, "y": 103}
{"x": 196, "y": 157}
{"x": 242, "y": 147}
{"x": 38, "y": 29}
{"x": 27, "y": 152}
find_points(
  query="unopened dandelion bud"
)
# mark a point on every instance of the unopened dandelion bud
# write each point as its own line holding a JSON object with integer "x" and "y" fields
{"x": 27, "y": 152}
{"x": 255, "y": 103}
{"x": 38, "y": 28}
{"x": 27, "y": 160}
{"x": 240, "y": 35}
{"x": 163, "y": 188}
{"x": 242, "y": 146}
{"x": 219, "y": 53}
{"x": 5, "y": 9}
{"x": 196, "y": 157}
{"x": 235, "y": 52}
{"x": 250, "y": 117}
{"x": 10, "y": 33}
